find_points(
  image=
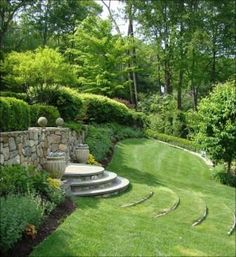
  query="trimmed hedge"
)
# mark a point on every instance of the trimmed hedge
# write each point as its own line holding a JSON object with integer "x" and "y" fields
{"x": 38, "y": 110}
{"x": 74, "y": 106}
{"x": 21, "y": 96}
{"x": 101, "y": 109}
{"x": 14, "y": 114}
{"x": 67, "y": 101}
{"x": 181, "y": 142}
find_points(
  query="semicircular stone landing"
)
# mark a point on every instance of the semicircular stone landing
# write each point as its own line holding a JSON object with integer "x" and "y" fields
{"x": 92, "y": 180}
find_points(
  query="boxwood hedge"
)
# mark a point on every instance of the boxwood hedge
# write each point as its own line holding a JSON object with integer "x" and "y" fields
{"x": 67, "y": 101}
{"x": 38, "y": 110}
{"x": 14, "y": 113}
{"x": 74, "y": 106}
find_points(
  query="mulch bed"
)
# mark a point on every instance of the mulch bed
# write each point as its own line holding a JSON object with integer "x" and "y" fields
{"x": 24, "y": 247}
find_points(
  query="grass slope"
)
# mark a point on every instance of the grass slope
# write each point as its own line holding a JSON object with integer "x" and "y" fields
{"x": 100, "y": 227}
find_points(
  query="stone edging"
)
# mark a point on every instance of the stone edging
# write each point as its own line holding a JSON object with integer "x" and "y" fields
{"x": 203, "y": 217}
{"x": 139, "y": 201}
{"x": 206, "y": 160}
{"x": 166, "y": 211}
{"x": 233, "y": 226}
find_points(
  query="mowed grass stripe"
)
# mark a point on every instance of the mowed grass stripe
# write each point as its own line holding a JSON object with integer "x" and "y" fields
{"x": 99, "y": 227}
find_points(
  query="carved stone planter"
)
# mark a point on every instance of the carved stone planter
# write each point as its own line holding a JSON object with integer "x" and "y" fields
{"x": 82, "y": 153}
{"x": 56, "y": 166}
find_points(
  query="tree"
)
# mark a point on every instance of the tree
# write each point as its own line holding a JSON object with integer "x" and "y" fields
{"x": 217, "y": 123}
{"x": 47, "y": 22}
{"x": 38, "y": 69}
{"x": 8, "y": 10}
{"x": 100, "y": 58}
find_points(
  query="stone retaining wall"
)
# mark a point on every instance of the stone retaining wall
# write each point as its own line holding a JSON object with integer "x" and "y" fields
{"x": 32, "y": 146}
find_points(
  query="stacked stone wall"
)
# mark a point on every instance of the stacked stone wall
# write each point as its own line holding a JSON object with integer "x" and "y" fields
{"x": 32, "y": 146}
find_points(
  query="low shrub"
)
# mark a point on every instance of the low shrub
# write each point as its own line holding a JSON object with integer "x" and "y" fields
{"x": 99, "y": 141}
{"x": 226, "y": 178}
{"x": 181, "y": 142}
{"x": 14, "y": 113}
{"x": 17, "y": 211}
{"x": 120, "y": 132}
{"x": 76, "y": 126}
{"x": 38, "y": 110}
{"x": 101, "y": 137}
{"x": 27, "y": 179}
{"x": 91, "y": 160}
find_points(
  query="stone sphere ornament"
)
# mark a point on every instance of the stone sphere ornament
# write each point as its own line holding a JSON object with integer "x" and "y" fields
{"x": 59, "y": 122}
{"x": 42, "y": 121}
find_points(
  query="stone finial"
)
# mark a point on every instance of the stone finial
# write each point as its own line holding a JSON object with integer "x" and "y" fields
{"x": 59, "y": 122}
{"x": 42, "y": 121}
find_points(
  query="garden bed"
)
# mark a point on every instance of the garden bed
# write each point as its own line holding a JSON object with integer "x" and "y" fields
{"x": 26, "y": 244}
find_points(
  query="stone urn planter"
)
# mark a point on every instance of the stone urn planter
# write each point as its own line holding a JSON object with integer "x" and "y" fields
{"x": 56, "y": 165}
{"x": 82, "y": 153}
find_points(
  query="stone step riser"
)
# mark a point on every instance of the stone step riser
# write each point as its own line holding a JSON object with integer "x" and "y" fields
{"x": 108, "y": 177}
{"x": 87, "y": 180}
{"x": 120, "y": 185}
{"x": 84, "y": 188}
{"x": 74, "y": 178}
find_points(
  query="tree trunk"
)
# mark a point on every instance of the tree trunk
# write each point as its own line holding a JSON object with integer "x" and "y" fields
{"x": 179, "y": 90}
{"x": 168, "y": 87}
{"x": 213, "y": 70}
{"x": 229, "y": 165}
{"x": 108, "y": 6}
{"x": 193, "y": 88}
{"x": 132, "y": 54}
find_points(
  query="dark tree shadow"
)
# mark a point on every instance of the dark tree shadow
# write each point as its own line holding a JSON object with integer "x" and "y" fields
{"x": 141, "y": 177}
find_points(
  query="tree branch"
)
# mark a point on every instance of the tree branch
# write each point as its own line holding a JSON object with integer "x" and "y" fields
{"x": 108, "y": 6}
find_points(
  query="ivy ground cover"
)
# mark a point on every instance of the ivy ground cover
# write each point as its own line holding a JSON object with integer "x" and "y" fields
{"x": 101, "y": 227}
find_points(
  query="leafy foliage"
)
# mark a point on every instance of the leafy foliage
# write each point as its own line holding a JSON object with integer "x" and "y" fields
{"x": 163, "y": 115}
{"x": 75, "y": 106}
{"x": 19, "y": 179}
{"x": 21, "y": 96}
{"x": 17, "y": 211}
{"x": 220, "y": 175}
{"x": 101, "y": 137}
{"x": 14, "y": 113}
{"x": 100, "y": 58}
{"x": 39, "y": 68}
{"x": 76, "y": 126}
{"x": 101, "y": 109}
{"x": 217, "y": 126}
{"x": 67, "y": 100}
{"x": 100, "y": 141}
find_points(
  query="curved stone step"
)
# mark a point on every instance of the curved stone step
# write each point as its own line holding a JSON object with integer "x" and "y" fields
{"x": 82, "y": 170}
{"x": 119, "y": 185}
{"x": 108, "y": 177}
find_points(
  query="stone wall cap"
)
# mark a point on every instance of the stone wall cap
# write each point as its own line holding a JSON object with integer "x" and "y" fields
{"x": 49, "y": 128}
{"x": 9, "y": 133}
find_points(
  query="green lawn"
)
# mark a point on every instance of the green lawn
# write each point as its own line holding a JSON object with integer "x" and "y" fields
{"x": 100, "y": 227}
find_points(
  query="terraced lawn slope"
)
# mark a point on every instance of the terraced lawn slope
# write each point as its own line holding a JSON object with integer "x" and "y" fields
{"x": 102, "y": 227}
